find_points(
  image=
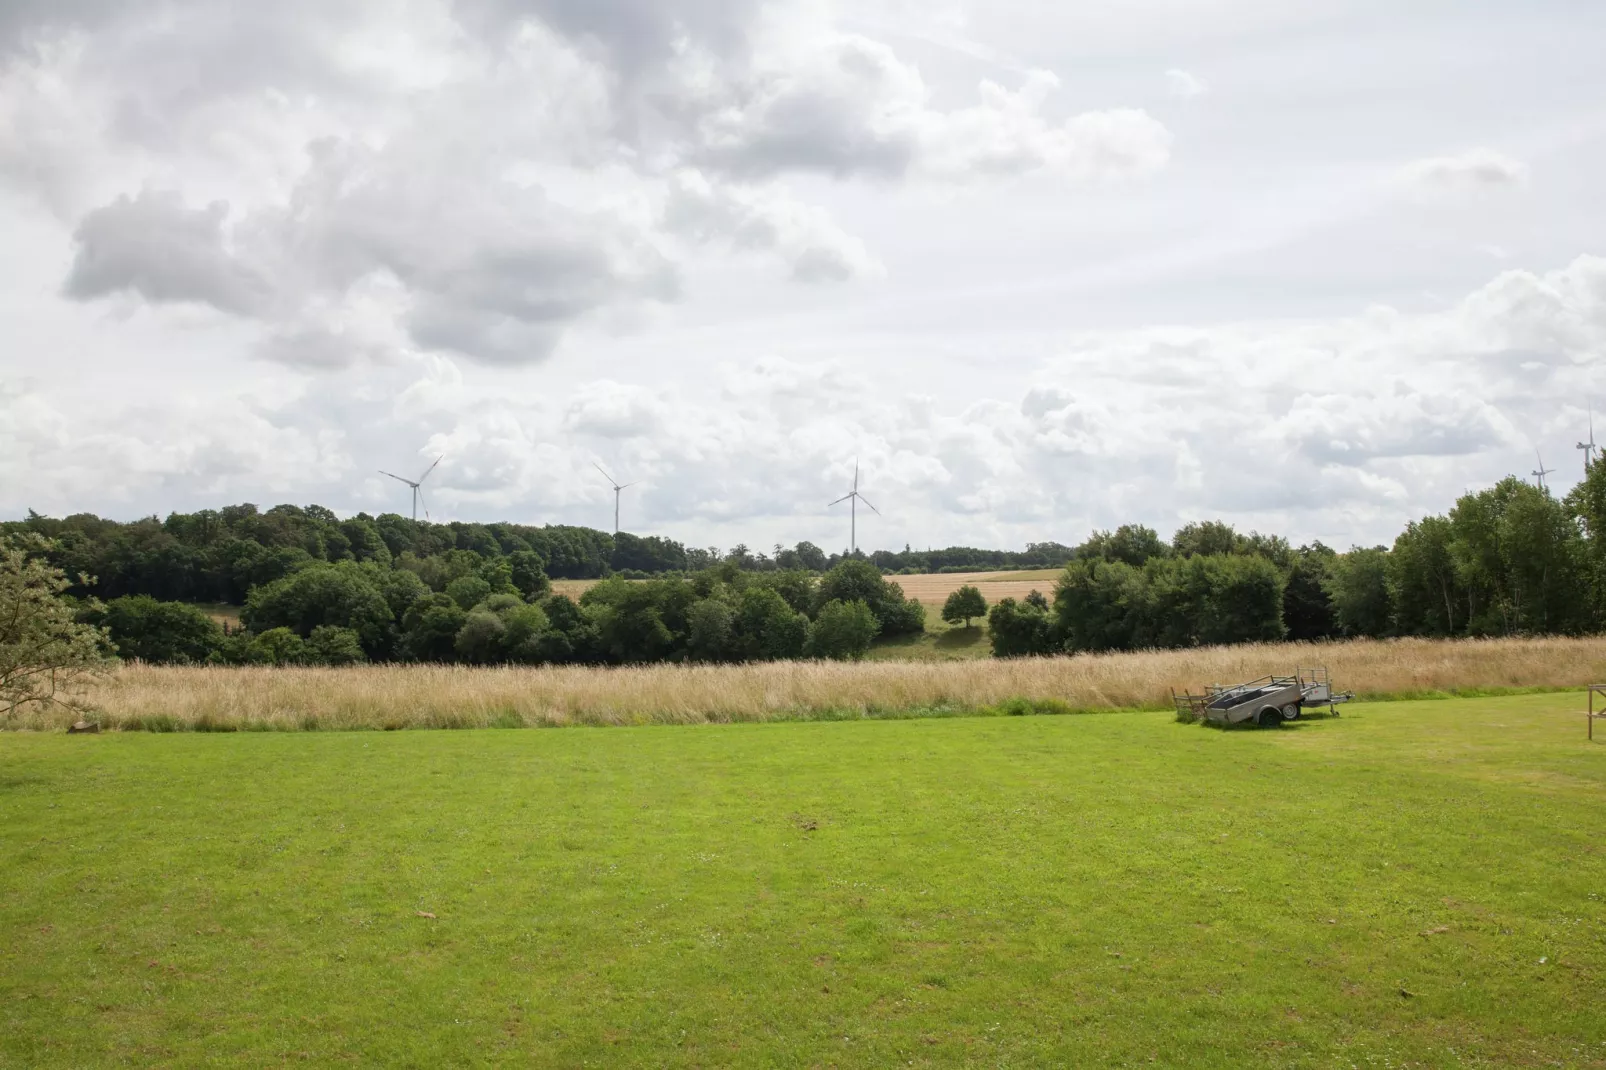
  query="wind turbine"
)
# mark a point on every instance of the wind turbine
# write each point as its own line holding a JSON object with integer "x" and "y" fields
{"x": 617, "y": 489}
{"x": 853, "y": 498}
{"x": 417, "y": 485}
{"x": 1541, "y": 472}
{"x": 1589, "y": 447}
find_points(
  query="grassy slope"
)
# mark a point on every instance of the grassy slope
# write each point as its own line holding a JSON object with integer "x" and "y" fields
{"x": 1092, "y": 890}
{"x": 939, "y": 642}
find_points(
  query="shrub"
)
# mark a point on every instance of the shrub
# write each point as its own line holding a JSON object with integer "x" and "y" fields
{"x": 710, "y": 631}
{"x": 843, "y": 631}
{"x": 468, "y": 591}
{"x": 766, "y": 628}
{"x": 1020, "y": 629}
{"x": 328, "y": 645}
{"x": 281, "y": 646}
{"x": 160, "y": 632}
{"x": 341, "y": 596}
{"x": 480, "y": 638}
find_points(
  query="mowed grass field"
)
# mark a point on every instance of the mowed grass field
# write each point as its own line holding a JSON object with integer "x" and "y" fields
{"x": 1415, "y": 884}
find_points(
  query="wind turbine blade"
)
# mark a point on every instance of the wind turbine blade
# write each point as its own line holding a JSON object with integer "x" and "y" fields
{"x": 855, "y": 473}
{"x": 840, "y": 500}
{"x": 627, "y": 486}
{"x": 866, "y": 501}
{"x": 431, "y": 468}
{"x": 392, "y": 475}
{"x": 614, "y": 483}
{"x": 422, "y": 502}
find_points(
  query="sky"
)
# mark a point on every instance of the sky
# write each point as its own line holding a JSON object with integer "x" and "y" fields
{"x": 1037, "y": 268}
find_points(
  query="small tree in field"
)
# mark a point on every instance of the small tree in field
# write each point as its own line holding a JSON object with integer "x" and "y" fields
{"x": 44, "y": 650}
{"x": 963, "y": 605}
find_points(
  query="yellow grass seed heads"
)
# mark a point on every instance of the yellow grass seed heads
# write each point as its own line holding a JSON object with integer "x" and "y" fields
{"x": 441, "y": 696}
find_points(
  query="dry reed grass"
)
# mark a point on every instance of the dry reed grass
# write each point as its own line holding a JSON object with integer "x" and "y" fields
{"x": 436, "y": 696}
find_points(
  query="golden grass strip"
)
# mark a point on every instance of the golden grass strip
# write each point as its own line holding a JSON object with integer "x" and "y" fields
{"x": 442, "y": 696}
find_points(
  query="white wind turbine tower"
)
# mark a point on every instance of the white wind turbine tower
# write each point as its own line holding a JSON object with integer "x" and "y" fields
{"x": 417, "y": 485}
{"x": 1589, "y": 447}
{"x": 618, "y": 488}
{"x": 1541, "y": 472}
{"x": 853, "y": 498}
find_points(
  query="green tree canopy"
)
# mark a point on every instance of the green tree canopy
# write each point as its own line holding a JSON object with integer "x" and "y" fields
{"x": 843, "y": 631}
{"x": 964, "y": 604}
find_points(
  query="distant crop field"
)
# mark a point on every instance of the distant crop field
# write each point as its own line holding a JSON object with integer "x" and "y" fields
{"x": 455, "y": 696}
{"x": 1414, "y": 884}
{"x": 932, "y": 589}
{"x": 573, "y": 588}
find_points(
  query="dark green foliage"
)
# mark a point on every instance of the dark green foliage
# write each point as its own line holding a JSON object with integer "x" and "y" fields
{"x": 638, "y": 622}
{"x": 524, "y": 630}
{"x": 430, "y": 629}
{"x": 1206, "y": 538}
{"x": 795, "y": 586}
{"x": 342, "y": 595}
{"x": 279, "y": 646}
{"x": 1358, "y": 586}
{"x": 951, "y": 559}
{"x": 480, "y": 639}
{"x": 963, "y": 605}
{"x": 1170, "y": 602}
{"x": 1129, "y": 544}
{"x": 528, "y": 575}
{"x": 335, "y": 646}
{"x": 1020, "y": 629}
{"x": 766, "y": 628}
{"x": 573, "y": 635}
{"x": 843, "y": 631}
{"x": 1423, "y": 586}
{"x": 1307, "y": 611}
{"x": 857, "y": 580}
{"x": 711, "y": 631}
{"x": 468, "y": 591}
{"x": 1101, "y": 605}
{"x": 160, "y": 632}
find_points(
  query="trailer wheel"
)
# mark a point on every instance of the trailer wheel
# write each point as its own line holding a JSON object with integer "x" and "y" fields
{"x": 1270, "y": 717}
{"x": 1291, "y": 712}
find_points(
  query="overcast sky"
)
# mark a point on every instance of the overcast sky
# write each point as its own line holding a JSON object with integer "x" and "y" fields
{"x": 1042, "y": 267}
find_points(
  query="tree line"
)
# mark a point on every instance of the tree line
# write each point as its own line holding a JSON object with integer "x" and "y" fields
{"x": 313, "y": 588}
{"x": 1509, "y": 560}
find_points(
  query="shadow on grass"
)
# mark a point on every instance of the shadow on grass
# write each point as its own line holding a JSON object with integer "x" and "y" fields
{"x": 1305, "y": 719}
{"x": 960, "y": 639}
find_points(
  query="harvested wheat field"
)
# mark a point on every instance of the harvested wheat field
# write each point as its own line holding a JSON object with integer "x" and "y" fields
{"x": 931, "y": 588}
{"x": 573, "y": 588}
{"x": 934, "y": 588}
{"x": 438, "y": 696}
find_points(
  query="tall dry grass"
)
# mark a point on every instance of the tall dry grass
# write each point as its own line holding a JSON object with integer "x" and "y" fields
{"x": 432, "y": 696}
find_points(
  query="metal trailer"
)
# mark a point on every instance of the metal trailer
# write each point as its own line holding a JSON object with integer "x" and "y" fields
{"x": 1268, "y": 701}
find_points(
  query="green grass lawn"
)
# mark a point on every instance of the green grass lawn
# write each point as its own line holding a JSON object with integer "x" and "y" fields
{"x": 1413, "y": 884}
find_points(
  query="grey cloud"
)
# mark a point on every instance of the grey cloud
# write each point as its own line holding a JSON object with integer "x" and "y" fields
{"x": 495, "y": 272}
{"x": 1349, "y": 429}
{"x": 1472, "y": 171}
{"x": 765, "y": 220}
{"x": 848, "y": 106}
{"x": 154, "y": 246}
{"x": 22, "y": 21}
{"x": 636, "y": 33}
